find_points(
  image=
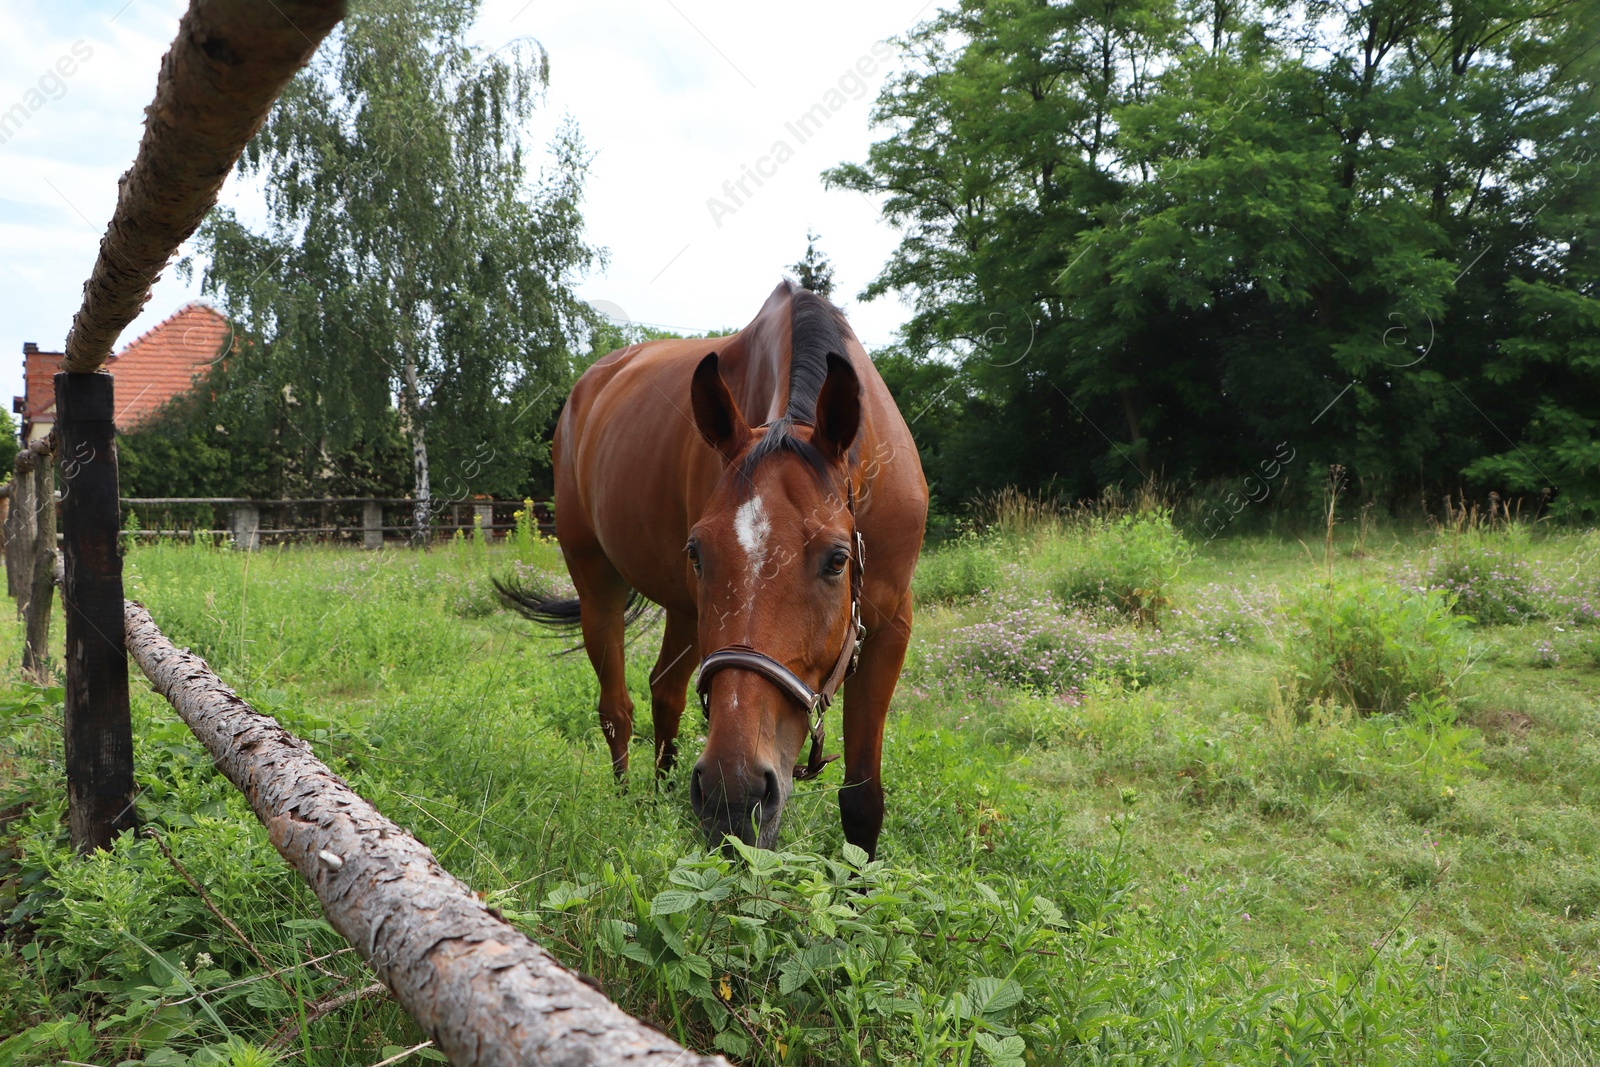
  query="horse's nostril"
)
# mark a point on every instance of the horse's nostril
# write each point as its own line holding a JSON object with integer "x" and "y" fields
{"x": 771, "y": 796}
{"x": 696, "y": 794}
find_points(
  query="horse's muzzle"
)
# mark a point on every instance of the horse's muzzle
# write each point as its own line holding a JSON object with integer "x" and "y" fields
{"x": 740, "y": 801}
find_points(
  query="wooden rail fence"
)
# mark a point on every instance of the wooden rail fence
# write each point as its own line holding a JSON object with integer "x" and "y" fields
{"x": 371, "y": 520}
{"x": 484, "y": 992}
{"x": 481, "y": 989}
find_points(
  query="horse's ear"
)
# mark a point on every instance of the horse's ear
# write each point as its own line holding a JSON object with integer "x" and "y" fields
{"x": 716, "y": 415}
{"x": 838, "y": 408}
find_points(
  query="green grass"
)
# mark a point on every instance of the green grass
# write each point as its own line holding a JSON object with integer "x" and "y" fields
{"x": 1225, "y": 864}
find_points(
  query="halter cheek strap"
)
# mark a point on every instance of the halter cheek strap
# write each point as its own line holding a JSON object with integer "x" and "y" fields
{"x": 815, "y": 701}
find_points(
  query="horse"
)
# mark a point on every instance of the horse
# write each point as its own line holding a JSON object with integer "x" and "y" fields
{"x": 763, "y": 489}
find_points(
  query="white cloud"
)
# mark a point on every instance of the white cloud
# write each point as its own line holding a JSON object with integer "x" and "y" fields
{"x": 674, "y": 97}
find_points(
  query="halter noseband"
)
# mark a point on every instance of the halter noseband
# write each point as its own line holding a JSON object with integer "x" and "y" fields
{"x": 815, "y": 701}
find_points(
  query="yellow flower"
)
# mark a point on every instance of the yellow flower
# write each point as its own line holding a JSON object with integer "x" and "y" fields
{"x": 724, "y": 990}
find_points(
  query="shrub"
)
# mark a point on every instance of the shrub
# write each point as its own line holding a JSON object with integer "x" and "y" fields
{"x": 1373, "y": 648}
{"x": 1032, "y": 643}
{"x": 1493, "y": 587}
{"x": 958, "y": 571}
{"x": 1590, "y": 647}
{"x": 1124, "y": 563}
{"x": 1223, "y": 616}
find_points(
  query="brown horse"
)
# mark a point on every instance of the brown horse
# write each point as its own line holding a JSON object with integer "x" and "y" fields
{"x": 764, "y": 490}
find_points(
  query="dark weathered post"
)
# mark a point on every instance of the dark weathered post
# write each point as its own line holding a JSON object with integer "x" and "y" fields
{"x": 99, "y": 731}
{"x": 41, "y": 584}
{"x": 13, "y": 521}
{"x": 24, "y": 531}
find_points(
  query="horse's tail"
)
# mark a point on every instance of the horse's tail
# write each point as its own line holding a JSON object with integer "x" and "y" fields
{"x": 561, "y": 614}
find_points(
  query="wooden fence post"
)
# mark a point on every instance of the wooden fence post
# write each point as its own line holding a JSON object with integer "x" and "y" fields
{"x": 244, "y": 523}
{"x": 19, "y": 567}
{"x": 98, "y": 727}
{"x": 12, "y": 513}
{"x": 41, "y": 584}
{"x": 371, "y": 524}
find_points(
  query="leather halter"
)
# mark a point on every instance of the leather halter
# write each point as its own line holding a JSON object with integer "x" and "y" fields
{"x": 815, "y": 701}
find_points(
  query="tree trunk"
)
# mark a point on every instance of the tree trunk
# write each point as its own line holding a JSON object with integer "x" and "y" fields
{"x": 422, "y": 495}
{"x": 485, "y": 993}
{"x": 1141, "y": 451}
{"x": 229, "y": 62}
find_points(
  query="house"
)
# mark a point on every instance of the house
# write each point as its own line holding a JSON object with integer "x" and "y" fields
{"x": 163, "y": 363}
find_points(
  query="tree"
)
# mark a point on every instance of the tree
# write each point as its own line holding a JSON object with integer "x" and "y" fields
{"x": 814, "y": 271}
{"x": 1162, "y": 236}
{"x": 408, "y": 268}
{"x": 10, "y": 445}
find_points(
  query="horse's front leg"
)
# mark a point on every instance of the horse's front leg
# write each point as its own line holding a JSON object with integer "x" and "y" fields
{"x": 866, "y": 708}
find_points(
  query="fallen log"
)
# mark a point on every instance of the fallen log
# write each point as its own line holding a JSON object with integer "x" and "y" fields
{"x": 483, "y": 991}
{"x": 228, "y": 64}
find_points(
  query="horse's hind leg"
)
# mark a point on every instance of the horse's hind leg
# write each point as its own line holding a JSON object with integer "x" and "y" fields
{"x": 602, "y": 601}
{"x": 669, "y": 682}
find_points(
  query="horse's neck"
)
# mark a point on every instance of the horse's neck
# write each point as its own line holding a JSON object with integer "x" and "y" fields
{"x": 760, "y": 383}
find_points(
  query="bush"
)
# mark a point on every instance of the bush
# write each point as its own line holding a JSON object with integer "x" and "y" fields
{"x": 958, "y": 571}
{"x": 1373, "y": 648}
{"x": 1590, "y": 647}
{"x": 1491, "y": 586}
{"x": 1031, "y": 643}
{"x": 1125, "y": 564}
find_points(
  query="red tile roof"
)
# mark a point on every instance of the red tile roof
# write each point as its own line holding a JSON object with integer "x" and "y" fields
{"x": 162, "y": 363}
{"x": 166, "y": 360}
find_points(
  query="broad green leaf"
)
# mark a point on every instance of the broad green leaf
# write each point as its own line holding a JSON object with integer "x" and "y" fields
{"x": 994, "y": 996}
{"x": 671, "y": 901}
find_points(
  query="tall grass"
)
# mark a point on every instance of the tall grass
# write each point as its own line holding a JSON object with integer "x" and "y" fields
{"x": 1227, "y": 861}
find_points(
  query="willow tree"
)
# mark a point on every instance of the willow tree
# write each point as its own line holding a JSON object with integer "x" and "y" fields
{"x": 408, "y": 262}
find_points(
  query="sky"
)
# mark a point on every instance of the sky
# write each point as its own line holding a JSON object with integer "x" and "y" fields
{"x": 678, "y": 100}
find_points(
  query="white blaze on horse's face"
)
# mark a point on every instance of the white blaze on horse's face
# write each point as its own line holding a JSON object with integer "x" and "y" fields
{"x": 752, "y": 526}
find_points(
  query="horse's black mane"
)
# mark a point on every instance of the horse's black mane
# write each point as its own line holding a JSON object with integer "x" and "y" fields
{"x": 816, "y": 328}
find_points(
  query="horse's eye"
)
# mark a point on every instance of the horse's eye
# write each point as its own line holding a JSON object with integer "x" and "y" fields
{"x": 837, "y": 562}
{"x": 694, "y": 556}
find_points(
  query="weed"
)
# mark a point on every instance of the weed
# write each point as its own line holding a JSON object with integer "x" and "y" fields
{"x": 1169, "y": 846}
{"x": 1372, "y": 648}
{"x": 1126, "y": 564}
{"x": 958, "y": 570}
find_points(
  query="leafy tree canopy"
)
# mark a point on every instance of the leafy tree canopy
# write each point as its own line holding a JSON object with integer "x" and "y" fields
{"x": 1165, "y": 236}
{"x": 814, "y": 271}
{"x": 409, "y": 279}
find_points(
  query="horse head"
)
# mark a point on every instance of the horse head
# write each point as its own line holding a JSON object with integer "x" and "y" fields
{"x": 777, "y": 571}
